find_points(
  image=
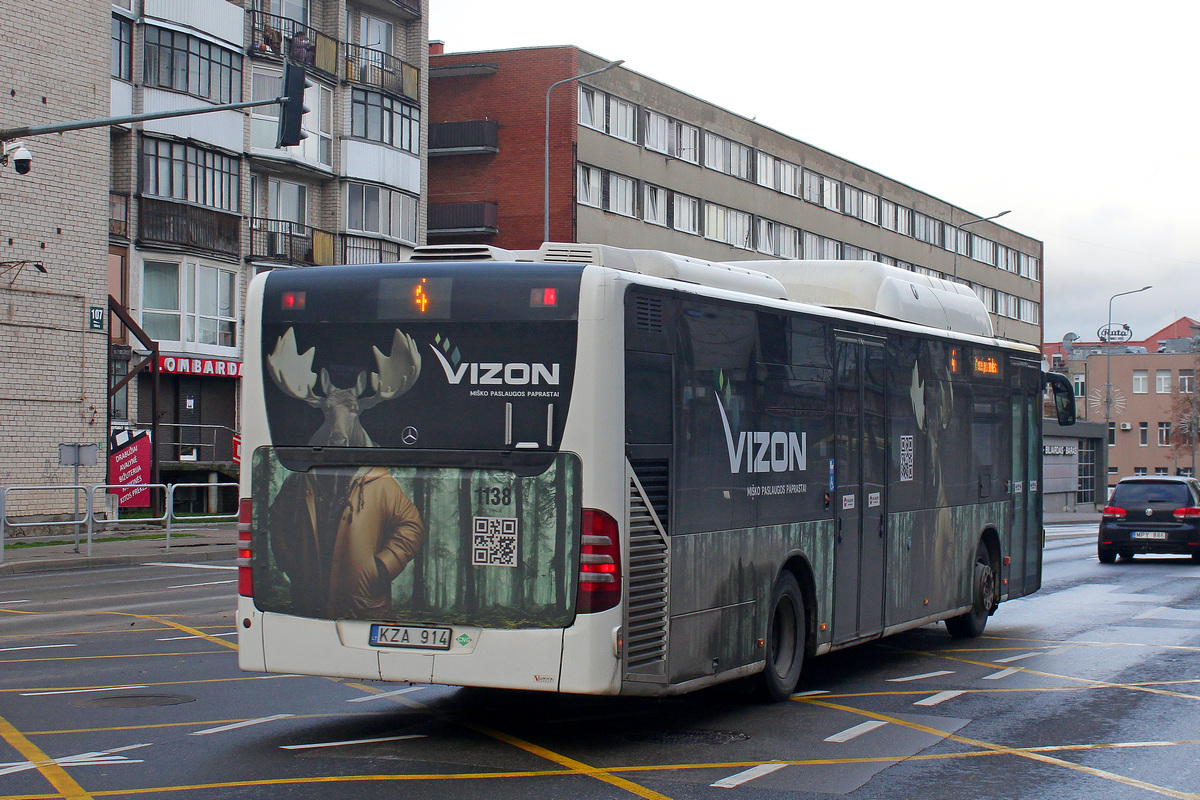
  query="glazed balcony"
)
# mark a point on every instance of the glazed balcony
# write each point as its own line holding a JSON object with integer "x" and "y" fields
{"x": 374, "y": 68}
{"x": 358, "y": 249}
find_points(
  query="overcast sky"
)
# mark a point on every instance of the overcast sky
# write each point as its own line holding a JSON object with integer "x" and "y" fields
{"x": 1080, "y": 117}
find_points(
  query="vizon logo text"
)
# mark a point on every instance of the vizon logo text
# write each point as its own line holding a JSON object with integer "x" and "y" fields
{"x": 514, "y": 373}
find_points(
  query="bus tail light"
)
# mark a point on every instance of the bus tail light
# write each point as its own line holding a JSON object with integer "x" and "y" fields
{"x": 599, "y": 563}
{"x": 245, "y": 532}
{"x": 1191, "y": 512}
{"x": 1114, "y": 512}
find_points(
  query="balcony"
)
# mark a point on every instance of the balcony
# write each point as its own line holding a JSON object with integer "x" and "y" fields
{"x": 380, "y": 70}
{"x": 369, "y": 250}
{"x": 273, "y": 35}
{"x": 291, "y": 243}
{"x": 454, "y": 138}
{"x": 461, "y": 219}
{"x": 165, "y": 222}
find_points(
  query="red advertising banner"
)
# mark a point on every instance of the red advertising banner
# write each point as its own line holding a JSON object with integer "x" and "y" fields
{"x": 130, "y": 463}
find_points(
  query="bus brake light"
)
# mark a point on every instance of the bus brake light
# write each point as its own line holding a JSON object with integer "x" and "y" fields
{"x": 543, "y": 298}
{"x": 599, "y": 563}
{"x": 293, "y": 301}
{"x": 244, "y": 552}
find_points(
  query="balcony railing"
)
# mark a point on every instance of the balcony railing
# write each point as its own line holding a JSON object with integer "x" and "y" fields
{"x": 382, "y": 70}
{"x": 408, "y": 8}
{"x": 448, "y": 219}
{"x": 274, "y": 35}
{"x": 118, "y": 215}
{"x": 472, "y": 136}
{"x": 368, "y": 250}
{"x": 290, "y": 242}
{"x": 183, "y": 225}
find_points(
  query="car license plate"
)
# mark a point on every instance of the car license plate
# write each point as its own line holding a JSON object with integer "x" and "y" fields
{"x": 1149, "y": 534}
{"x": 417, "y": 637}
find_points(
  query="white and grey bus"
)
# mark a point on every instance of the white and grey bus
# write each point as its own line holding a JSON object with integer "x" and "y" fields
{"x": 617, "y": 472}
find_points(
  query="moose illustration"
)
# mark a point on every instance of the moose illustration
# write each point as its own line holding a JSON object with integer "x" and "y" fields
{"x": 341, "y": 534}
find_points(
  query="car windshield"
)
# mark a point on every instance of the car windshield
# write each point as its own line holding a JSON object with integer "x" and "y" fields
{"x": 1150, "y": 493}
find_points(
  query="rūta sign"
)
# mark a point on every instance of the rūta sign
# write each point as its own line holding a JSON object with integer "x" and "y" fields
{"x": 1115, "y": 334}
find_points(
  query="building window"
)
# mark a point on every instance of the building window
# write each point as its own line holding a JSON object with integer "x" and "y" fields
{"x": 672, "y": 137}
{"x": 622, "y": 195}
{"x": 687, "y": 214}
{"x": 317, "y": 146}
{"x": 727, "y": 225}
{"x": 777, "y": 239}
{"x": 177, "y": 171}
{"x": 887, "y": 216}
{"x": 927, "y": 229}
{"x": 1161, "y": 471}
{"x": 122, "y": 49}
{"x": 591, "y": 192}
{"x": 654, "y": 206}
{"x": 188, "y": 64}
{"x": 1143, "y": 433}
{"x": 775, "y": 173}
{"x": 1112, "y": 437}
{"x": 1141, "y": 381}
{"x": 591, "y": 108}
{"x": 1187, "y": 381}
{"x": 1164, "y": 434}
{"x": 372, "y": 209}
{"x": 622, "y": 119}
{"x": 189, "y": 302}
{"x": 379, "y": 118}
{"x": 1080, "y": 381}
{"x": 1162, "y": 381}
{"x": 727, "y": 156}
{"x": 1139, "y": 470}
{"x": 831, "y": 194}
{"x": 812, "y": 187}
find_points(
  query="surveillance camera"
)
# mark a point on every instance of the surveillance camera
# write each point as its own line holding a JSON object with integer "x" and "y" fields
{"x": 22, "y": 159}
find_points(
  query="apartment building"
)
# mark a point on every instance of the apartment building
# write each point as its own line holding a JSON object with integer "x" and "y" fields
{"x": 636, "y": 163}
{"x": 1142, "y": 394}
{"x": 172, "y": 216}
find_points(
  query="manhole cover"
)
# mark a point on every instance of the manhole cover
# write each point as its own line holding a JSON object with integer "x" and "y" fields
{"x": 687, "y": 737}
{"x": 134, "y": 701}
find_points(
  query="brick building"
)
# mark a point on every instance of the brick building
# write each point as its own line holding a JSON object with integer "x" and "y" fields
{"x": 173, "y": 216}
{"x": 636, "y": 163}
{"x": 1151, "y": 409}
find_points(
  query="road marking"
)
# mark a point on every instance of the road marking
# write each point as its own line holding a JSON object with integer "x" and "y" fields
{"x": 180, "y": 638}
{"x": 1011, "y": 659}
{"x": 811, "y": 693}
{"x": 11, "y": 602}
{"x": 747, "y": 775}
{"x": 922, "y": 677}
{"x": 93, "y": 759}
{"x": 855, "y": 732}
{"x": 940, "y": 697}
{"x": 1004, "y": 673}
{"x": 365, "y": 698}
{"x": 351, "y": 742}
{"x": 243, "y": 724}
{"x": 182, "y": 565}
{"x": 194, "y": 585}
{"x": 35, "y": 647}
{"x": 81, "y": 691}
{"x": 63, "y": 783}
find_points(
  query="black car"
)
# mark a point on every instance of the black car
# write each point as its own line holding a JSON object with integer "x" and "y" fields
{"x": 1159, "y": 514}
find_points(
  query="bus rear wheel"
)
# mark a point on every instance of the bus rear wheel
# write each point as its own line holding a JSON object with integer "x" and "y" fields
{"x": 786, "y": 633}
{"x": 983, "y": 598}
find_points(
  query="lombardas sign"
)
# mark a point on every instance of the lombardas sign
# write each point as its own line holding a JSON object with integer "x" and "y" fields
{"x": 215, "y": 367}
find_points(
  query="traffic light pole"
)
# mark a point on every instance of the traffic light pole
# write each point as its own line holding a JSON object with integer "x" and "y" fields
{"x": 62, "y": 127}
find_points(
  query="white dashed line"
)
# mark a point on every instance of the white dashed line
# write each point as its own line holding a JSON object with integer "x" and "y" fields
{"x": 385, "y": 694}
{"x": 1004, "y": 673}
{"x": 940, "y": 697}
{"x": 81, "y": 691}
{"x": 236, "y": 725}
{"x": 922, "y": 677}
{"x": 747, "y": 775}
{"x": 350, "y": 742}
{"x": 855, "y": 732}
{"x": 35, "y": 647}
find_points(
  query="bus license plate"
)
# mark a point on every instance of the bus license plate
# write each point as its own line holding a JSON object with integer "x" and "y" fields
{"x": 1149, "y": 534}
{"x": 411, "y": 636}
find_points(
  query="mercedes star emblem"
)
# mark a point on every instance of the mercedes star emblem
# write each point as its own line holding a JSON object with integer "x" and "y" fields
{"x": 409, "y": 435}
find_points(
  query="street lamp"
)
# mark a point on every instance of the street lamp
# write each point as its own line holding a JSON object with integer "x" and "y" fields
{"x": 965, "y": 224}
{"x": 546, "y": 183}
{"x": 1108, "y": 374}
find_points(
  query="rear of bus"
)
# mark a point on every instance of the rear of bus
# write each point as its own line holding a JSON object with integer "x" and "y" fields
{"x": 413, "y": 508}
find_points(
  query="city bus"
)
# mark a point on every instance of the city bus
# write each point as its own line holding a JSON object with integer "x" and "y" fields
{"x": 586, "y": 469}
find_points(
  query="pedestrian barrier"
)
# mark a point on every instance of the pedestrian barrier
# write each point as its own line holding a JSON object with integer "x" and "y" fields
{"x": 96, "y": 513}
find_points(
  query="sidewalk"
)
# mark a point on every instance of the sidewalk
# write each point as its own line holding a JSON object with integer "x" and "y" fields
{"x": 208, "y": 542}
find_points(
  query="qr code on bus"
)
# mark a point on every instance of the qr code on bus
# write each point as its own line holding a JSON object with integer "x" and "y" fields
{"x": 906, "y": 458}
{"x": 494, "y": 542}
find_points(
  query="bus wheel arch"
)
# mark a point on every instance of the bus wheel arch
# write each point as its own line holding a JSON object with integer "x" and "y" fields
{"x": 985, "y": 589}
{"x": 789, "y": 638}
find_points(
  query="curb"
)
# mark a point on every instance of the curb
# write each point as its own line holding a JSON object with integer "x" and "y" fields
{"x": 218, "y": 553}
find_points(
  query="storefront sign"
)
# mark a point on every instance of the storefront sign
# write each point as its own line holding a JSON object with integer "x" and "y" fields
{"x": 216, "y": 367}
{"x": 129, "y": 463}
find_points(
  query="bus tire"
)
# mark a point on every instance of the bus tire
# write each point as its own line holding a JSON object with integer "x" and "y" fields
{"x": 785, "y": 643}
{"x": 983, "y": 598}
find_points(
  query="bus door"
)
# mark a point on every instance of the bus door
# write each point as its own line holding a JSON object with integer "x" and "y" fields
{"x": 1026, "y": 548}
{"x": 859, "y": 491}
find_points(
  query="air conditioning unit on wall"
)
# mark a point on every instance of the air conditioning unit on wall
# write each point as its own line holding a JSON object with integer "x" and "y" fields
{"x": 1125, "y": 426}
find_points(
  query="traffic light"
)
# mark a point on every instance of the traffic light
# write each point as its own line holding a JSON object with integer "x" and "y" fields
{"x": 292, "y": 108}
